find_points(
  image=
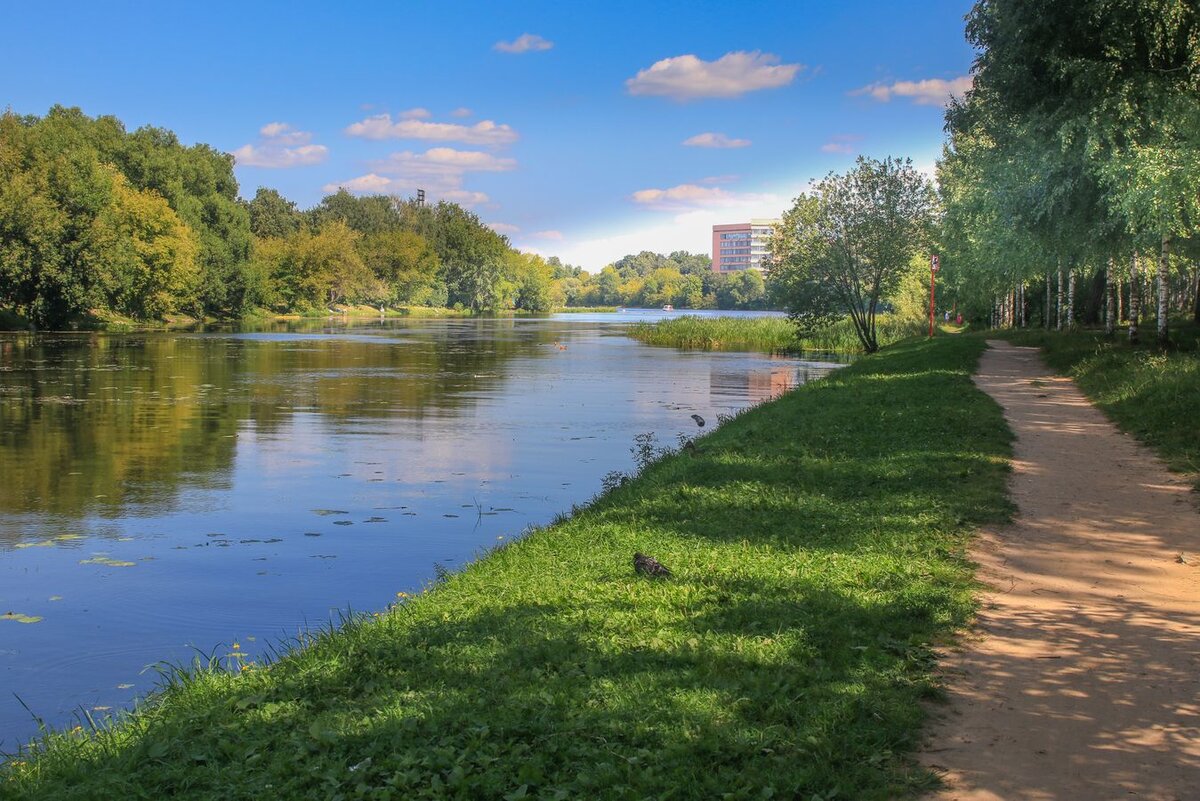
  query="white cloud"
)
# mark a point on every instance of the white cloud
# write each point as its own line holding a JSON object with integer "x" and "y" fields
{"x": 691, "y": 231}
{"x": 439, "y": 171}
{"x": 503, "y": 228}
{"x": 461, "y": 111}
{"x": 693, "y": 196}
{"x": 732, "y": 75}
{"x": 715, "y": 140}
{"x": 555, "y": 235}
{"x": 443, "y": 161}
{"x": 280, "y": 146}
{"x": 525, "y": 43}
{"x": 374, "y": 184}
{"x": 929, "y": 92}
{"x": 381, "y": 126}
{"x": 415, "y": 114}
{"x": 842, "y": 143}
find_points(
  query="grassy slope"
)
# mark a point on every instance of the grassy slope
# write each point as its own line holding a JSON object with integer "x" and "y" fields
{"x": 767, "y": 334}
{"x": 1154, "y": 395}
{"x": 818, "y": 549}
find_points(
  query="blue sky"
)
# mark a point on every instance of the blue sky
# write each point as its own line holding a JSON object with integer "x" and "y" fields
{"x": 562, "y": 124}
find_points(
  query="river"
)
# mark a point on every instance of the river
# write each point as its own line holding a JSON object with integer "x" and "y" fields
{"x": 166, "y": 495}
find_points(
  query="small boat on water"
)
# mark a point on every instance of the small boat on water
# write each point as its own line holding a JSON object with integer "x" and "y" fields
{"x": 668, "y": 307}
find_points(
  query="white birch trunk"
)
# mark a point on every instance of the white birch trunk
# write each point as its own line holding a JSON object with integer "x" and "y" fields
{"x": 1110, "y": 299}
{"x": 1059, "y": 320}
{"x": 1070, "y": 298}
{"x": 1163, "y": 287}
{"x": 1134, "y": 300}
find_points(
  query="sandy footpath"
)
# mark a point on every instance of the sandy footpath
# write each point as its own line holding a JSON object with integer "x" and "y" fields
{"x": 1081, "y": 679}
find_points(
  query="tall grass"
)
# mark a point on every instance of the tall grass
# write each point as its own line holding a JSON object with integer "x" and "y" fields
{"x": 766, "y": 334}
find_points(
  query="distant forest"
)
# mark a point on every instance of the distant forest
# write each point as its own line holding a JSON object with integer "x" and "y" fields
{"x": 95, "y": 220}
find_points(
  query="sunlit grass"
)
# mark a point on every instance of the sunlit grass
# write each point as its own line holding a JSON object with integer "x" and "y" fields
{"x": 818, "y": 546}
{"x": 766, "y": 334}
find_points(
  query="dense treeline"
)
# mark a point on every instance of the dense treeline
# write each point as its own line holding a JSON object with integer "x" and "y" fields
{"x": 98, "y": 220}
{"x": 1071, "y": 181}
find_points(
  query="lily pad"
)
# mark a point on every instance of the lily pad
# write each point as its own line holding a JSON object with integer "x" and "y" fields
{"x": 20, "y": 618}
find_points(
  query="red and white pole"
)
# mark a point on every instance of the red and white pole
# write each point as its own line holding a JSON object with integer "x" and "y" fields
{"x": 933, "y": 268}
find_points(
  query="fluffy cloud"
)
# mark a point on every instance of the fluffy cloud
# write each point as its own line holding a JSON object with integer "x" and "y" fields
{"x": 691, "y": 231}
{"x": 381, "y": 126}
{"x": 503, "y": 228}
{"x": 732, "y": 75}
{"x": 374, "y": 184}
{"x": 281, "y": 146}
{"x": 715, "y": 140}
{"x": 842, "y": 143}
{"x": 693, "y": 196}
{"x": 443, "y": 161}
{"x": 461, "y": 111}
{"x": 415, "y": 114}
{"x": 557, "y": 236}
{"x": 525, "y": 43}
{"x": 929, "y": 92}
{"x": 440, "y": 171}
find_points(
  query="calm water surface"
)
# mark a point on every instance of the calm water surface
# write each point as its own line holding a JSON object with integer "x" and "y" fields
{"x": 162, "y": 493}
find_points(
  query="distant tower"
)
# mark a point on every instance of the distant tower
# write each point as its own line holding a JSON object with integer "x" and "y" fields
{"x": 420, "y": 197}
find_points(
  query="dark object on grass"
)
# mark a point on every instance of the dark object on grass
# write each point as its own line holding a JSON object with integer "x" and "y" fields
{"x": 699, "y": 420}
{"x": 649, "y": 566}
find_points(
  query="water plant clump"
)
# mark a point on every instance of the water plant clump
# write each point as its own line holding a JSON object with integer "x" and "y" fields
{"x": 765, "y": 334}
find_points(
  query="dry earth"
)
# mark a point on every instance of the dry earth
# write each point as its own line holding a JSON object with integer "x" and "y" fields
{"x": 1081, "y": 679}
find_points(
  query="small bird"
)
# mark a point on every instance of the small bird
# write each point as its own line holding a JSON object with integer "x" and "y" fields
{"x": 699, "y": 420}
{"x": 649, "y": 566}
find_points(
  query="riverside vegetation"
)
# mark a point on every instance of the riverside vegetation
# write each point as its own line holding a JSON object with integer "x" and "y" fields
{"x": 100, "y": 226}
{"x": 768, "y": 334}
{"x": 818, "y": 550}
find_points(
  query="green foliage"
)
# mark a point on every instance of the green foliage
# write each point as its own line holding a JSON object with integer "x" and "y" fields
{"x": 846, "y": 247}
{"x": 1078, "y": 146}
{"x": 818, "y": 551}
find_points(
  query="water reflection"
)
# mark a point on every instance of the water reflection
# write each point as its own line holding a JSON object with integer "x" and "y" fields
{"x": 161, "y": 491}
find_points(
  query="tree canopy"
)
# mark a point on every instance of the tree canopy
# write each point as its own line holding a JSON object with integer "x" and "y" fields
{"x": 845, "y": 247}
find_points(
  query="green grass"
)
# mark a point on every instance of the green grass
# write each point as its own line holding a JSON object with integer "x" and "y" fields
{"x": 818, "y": 548}
{"x": 766, "y": 334}
{"x": 1151, "y": 393}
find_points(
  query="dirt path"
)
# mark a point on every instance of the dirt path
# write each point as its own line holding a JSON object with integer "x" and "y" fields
{"x": 1082, "y": 679}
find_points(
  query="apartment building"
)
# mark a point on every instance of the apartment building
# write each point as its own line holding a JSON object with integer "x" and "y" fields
{"x": 741, "y": 246}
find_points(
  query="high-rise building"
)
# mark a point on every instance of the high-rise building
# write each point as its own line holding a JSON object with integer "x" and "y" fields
{"x": 741, "y": 246}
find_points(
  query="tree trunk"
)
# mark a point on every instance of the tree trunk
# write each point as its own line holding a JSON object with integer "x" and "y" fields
{"x": 1059, "y": 320}
{"x": 1196, "y": 297}
{"x": 1110, "y": 300}
{"x": 1047, "y": 317}
{"x": 1070, "y": 298}
{"x": 1163, "y": 286}
{"x": 1134, "y": 299}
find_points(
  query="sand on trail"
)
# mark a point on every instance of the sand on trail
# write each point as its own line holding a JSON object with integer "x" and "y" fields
{"x": 1081, "y": 677}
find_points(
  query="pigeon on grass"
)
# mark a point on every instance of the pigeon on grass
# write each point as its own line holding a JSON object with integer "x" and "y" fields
{"x": 649, "y": 566}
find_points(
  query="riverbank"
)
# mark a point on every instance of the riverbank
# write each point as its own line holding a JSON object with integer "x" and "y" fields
{"x": 817, "y": 544}
{"x": 764, "y": 334}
